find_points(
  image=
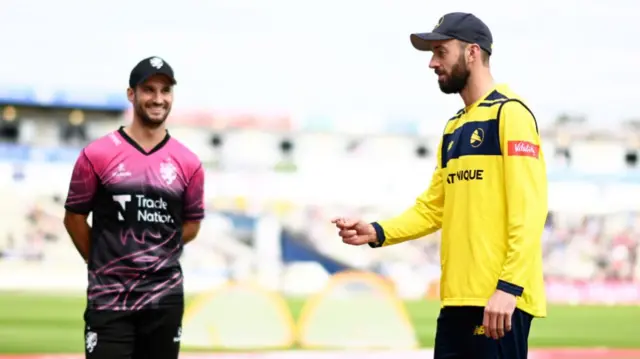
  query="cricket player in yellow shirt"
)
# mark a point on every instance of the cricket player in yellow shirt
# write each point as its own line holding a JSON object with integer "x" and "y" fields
{"x": 488, "y": 194}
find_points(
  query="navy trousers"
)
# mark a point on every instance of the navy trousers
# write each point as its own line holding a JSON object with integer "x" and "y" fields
{"x": 460, "y": 335}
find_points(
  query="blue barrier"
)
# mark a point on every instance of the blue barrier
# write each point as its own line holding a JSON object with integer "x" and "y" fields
{"x": 23, "y": 153}
{"x": 86, "y": 99}
{"x": 297, "y": 250}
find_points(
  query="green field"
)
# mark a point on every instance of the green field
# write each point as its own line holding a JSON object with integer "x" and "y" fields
{"x": 38, "y": 323}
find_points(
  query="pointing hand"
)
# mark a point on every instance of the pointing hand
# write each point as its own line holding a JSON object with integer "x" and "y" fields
{"x": 355, "y": 232}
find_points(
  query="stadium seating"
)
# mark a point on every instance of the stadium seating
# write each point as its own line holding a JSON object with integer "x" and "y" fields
{"x": 590, "y": 235}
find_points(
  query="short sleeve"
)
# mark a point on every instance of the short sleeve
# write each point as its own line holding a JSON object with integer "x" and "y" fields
{"x": 194, "y": 197}
{"x": 82, "y": 187}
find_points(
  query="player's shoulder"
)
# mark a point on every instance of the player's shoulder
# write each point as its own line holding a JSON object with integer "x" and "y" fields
{"x": 503, "y": 93}
{"x": 457, "y": 115}
{"x": 105, "y": 147}
{"x": 503, "y": 99}
{"x": 490, "y": 106}
{"x": 514, "y": 109}
{"x": 184, "y": 154}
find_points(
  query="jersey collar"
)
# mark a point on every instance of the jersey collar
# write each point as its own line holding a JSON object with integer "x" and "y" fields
{"x": 497, "y": 87}
{"x": 135, "y": 145}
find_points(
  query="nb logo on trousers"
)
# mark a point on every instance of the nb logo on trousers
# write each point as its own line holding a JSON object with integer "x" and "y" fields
{"x": 479, "y": 330}
{"x": 176, "y": 339}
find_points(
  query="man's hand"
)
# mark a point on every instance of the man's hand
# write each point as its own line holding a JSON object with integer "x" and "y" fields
{"x": 355, "y": 232}
{"x": 498, "y": 313}
{"x": 79, "y": 231}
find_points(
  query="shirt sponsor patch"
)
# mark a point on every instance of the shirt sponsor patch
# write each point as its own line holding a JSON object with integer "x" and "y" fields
{"x": 523, "y": 148}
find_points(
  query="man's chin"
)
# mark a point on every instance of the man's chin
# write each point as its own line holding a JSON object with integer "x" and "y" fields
{"x": 446, "y": 89}
{"x": 154, "y": 121}
{"x": 159, "y": 118}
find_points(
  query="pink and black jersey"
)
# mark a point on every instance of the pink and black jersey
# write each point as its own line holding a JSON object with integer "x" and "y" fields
{"x": 139, "y": 201}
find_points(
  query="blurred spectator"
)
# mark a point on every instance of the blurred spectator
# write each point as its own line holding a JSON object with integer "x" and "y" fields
{"x": 575, "y": 246}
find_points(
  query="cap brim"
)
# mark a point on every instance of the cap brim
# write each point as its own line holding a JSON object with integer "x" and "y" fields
{"x": 424, "y": 41}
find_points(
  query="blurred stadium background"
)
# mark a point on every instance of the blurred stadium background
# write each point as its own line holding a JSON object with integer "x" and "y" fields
{"x": 302, "y": 111}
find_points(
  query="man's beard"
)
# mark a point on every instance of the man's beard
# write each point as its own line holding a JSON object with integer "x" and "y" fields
{"x": 146, "y": 120}
{"x": 458, "y": 79}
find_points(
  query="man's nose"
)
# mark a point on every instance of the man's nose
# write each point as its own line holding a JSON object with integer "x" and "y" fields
{"x": 433, "y": 64}
{"x": 157, "y": 98}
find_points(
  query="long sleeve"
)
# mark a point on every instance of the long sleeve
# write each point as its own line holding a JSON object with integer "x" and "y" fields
{"x": 526, "y": 195}
{"x": 423, "y": 218}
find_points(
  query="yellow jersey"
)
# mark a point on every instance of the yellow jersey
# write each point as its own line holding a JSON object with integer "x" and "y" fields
{"x": 488, "y": 194}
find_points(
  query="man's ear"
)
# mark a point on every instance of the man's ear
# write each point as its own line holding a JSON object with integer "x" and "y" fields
{"x": 131, "y": 94}
{"x": 474, "y": 53}
{"x": 467, "y": 51}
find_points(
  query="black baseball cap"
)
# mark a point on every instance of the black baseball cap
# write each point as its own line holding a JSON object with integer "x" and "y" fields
{"x": 456, "y": 25}
{"x": 148, "y": 67}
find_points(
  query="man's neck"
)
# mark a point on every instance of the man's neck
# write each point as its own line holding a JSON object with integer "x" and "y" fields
{"x": 146, "y": 137}
{"x": 477, "y": 87}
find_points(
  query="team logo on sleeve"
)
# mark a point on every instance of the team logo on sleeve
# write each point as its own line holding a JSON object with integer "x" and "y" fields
{"x": 523, "y": 148}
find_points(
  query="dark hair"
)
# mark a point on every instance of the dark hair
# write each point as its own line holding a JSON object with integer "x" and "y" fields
{"x": 484, "y": 54}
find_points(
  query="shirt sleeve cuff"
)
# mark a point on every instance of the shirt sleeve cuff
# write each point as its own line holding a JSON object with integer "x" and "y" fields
{"x": 379, "y": 236}
{"x": 196, "y": 217}
{"x": 510, "y": 288}
{"x": 76, "y": 210}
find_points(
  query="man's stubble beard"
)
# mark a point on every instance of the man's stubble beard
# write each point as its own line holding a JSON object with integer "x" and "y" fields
{"x": 146, "y": 121}
{"x": 457, "y": 80}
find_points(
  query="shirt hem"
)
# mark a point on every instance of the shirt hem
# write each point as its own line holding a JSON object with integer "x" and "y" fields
{"x": 194, "y": 217}
{"x": 76, "y": 210}
{"x": 167, "y": 305}
{"x": 479, "y": 302}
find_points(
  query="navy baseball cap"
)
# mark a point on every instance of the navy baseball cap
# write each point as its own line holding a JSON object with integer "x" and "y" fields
{"x": 456, "y": 25}
{"x": 148, "y": 67}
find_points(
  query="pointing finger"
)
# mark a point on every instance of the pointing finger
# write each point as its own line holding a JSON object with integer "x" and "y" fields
{"x": 349, "y": 223}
